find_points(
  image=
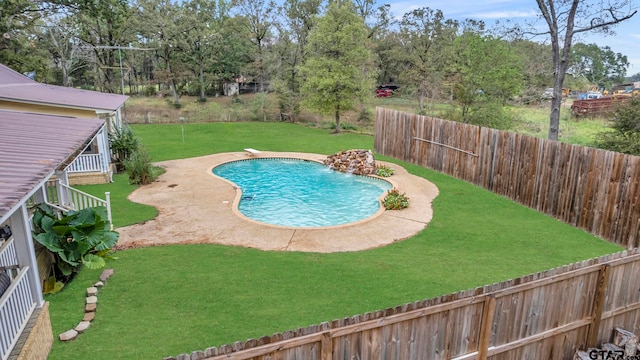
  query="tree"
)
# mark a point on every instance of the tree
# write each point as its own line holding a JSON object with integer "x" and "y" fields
{"x": 485, "y": 73}
{"x": 259, "y": 16}
{"x": 537, "y": 67}
{"x": 66, "y": 52}
{"x": 162, "y": 23}
{"x": 337, "y": 50}
{"x": 565, "y": 19}
{"x": 21, "y": 35}
{"x": 298, "y": 20}
{"x": 599, "y": 65}
{"x": 426, "y": 37}
{"x": 103, "y": 26}
{"x": 202, "y": 38}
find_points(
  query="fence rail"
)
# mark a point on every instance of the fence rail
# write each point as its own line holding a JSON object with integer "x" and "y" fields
{"x": 88, "y": 163}
{"x": 547, "y": 315}
{"x": 8, "y": 254}
{"x": 593, "y": 189}
{"x": 16, "y": 306}
{"x": 62, "y": 196}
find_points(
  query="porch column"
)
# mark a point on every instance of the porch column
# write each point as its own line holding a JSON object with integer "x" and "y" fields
{"x": 64, "y": 198}
{"x": 21, "y": 229}
{"x": 103, "y": 149}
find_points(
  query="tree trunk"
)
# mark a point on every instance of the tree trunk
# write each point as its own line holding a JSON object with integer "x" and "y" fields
{"x": 560, "y": 65}
{"x": 201, "y": 78}
{"x": 337, "y": 116}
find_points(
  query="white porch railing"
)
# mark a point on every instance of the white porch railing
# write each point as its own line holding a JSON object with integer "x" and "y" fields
{"x": 16, "y": 304}
{"x": 8, "y": 255}
{"x": 68, "y": 198}
{"x": 88, "y": 163}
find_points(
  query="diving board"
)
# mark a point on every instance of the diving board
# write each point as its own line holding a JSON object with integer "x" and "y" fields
{"x": 253, "y": 152}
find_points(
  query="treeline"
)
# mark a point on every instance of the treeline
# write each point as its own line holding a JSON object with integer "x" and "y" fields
{"x": 194, "y": 47}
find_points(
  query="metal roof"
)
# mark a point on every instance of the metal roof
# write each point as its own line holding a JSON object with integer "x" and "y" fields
{"x": 19, "y": 88}
{"x": 32, "y": 147}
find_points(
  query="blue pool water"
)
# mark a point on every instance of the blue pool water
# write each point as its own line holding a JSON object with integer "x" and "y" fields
{"x": 291, "y": 192}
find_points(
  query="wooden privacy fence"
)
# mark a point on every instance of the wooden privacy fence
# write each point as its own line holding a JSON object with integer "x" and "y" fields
{"x": 595, "y": 190}
{"x": 547, "y": 315}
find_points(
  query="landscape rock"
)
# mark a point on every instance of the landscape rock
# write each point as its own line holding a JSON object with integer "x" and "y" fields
{"x": 82, "y": 326}
{"x": 90, "y": 307}
{"x": 92, "y": 291}
{"x": 68, "y": 335}
{"x": 91, "y": 299}
{"x": 89, "y": 316}
{"x": 98, "y": 284}
{"x": 357, "y": 162}
{"x": 106, "y": 273}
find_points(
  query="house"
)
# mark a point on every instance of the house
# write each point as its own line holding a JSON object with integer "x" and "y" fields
{"x": 20, "y": 93}
{"x": 34, "y": 149}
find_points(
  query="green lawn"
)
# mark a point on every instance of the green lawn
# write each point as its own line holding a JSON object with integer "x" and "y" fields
{"x": 172, "y": 299}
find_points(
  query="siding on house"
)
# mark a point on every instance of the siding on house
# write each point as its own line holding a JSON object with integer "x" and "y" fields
{"x": 43, "y": 109}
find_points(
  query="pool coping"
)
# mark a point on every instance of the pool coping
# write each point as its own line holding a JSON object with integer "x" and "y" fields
{"x": 197, "y": 207}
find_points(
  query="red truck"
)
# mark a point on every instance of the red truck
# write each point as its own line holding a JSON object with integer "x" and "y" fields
{"x": 386, "y": 90}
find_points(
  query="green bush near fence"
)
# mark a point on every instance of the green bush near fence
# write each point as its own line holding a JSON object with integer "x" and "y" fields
{"x": 168, "y": 300}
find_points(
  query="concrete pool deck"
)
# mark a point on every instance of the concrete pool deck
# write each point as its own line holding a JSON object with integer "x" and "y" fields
{"x": 197, "y": 207}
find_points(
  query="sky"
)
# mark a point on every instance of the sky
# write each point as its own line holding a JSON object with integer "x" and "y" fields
{"x": 626, "y": 40}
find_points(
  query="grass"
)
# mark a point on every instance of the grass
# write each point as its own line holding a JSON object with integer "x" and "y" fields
{"x": 534, "y": 121}
{"x": 175, "y": 299}
{"x": 124, "y": 212}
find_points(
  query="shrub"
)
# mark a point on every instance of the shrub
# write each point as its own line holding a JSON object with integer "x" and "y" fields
{"x": 625, "y": 134}
{"x": 395, "y": 201}
{"x": 123, "y": 143}
{"x": 139, "y": 168}
{"x": 74, "y": 238}
{"x": 384, "y": 171}
{"x": 490, "y": 114}
{"x": 150, "y": 90}
{"x": 344, "y": 126}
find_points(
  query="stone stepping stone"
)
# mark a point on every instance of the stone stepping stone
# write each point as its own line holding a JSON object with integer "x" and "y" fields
{"x": 68, "y": 335}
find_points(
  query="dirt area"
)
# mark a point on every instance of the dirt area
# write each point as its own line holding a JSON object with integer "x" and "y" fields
{"x": 196, "y": 206}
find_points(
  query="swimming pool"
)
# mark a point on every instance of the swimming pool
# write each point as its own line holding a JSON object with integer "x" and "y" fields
{"x": 301, "y": 193}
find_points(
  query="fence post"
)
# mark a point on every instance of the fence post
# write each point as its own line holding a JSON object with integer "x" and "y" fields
{"x": 486, "y": 323}
{"x": 326, "y": 347}
{"x": 107, "y": 198}
{"x": 598, "y": 304}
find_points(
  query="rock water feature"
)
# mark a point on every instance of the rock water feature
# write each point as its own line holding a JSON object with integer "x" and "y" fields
{"x": 357, "y": 162}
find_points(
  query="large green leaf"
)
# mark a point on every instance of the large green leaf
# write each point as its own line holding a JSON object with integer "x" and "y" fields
{"x": 84, "y": 217}
{"x": 69, "y": 258}
{"x": 109, "y": 239}
{"x": 62, "y": 229}
{"x": 92, "y": 261}
{"x": 100, "y": 213}
{"x": 46, "y": 223}
{"x": 49, "y": 240}
{"x": 95, "y": 236}
{"x": 65, "y": 268}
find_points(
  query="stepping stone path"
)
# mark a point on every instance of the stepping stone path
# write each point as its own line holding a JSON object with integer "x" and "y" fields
{"x": 90, "y": 308}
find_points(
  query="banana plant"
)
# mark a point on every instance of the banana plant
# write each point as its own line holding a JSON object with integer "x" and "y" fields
{"x": 75, "y": 238}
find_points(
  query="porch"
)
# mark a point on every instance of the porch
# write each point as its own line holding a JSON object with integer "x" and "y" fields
{"x": 17, "y": 302}
{"x": 93, "y": 165}
{"x": 21, "y": 303}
